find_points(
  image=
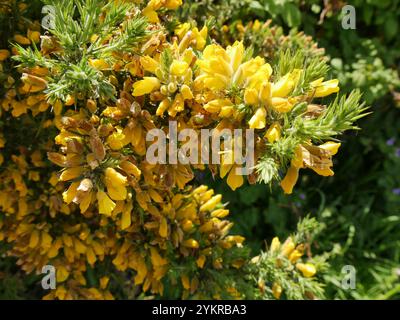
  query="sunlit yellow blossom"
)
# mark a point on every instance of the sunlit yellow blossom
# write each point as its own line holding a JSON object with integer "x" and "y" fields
{"x": 258, "y": 120}
{"x": 307, "y": 269}
{"x": 99, "y": 64}
{"x": 145, "y": 86}
{"x": 273, "y": 133}
{"x": 178, "y": 68}
{"x": 71, "y": 173}
{"x": 276, "y": 290}
{"x": 325, "y": 88}
{"x": 106, "y": 205}
{"x": 275, "y": 244}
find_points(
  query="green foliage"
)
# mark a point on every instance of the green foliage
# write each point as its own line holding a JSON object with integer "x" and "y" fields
{"x": 358, "y": 208}
{"x": 81, "y": 41}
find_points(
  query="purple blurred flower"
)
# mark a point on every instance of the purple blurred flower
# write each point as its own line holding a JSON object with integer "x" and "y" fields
{"x": 302, "y": 196}
{"x": 396, "y": 191}
{"x": 397, "y": 152}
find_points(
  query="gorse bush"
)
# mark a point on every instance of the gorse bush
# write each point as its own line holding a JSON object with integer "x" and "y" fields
{"x": 78, "y": 191}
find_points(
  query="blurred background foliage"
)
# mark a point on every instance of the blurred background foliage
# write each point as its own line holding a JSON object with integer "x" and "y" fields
{"x": 359, "y": 207}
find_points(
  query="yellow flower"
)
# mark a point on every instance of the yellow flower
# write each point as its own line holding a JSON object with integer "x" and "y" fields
{"x": 217, "y": 105}
{"x": 186, "y": 92}
{"x": 33, "y": 83}
{"x": 275, "y": 244}
{"x": 317, "y": 158}
{"x": 34, "y": 239}
{"x": 61, "y": 273}
{"x": 130, "y": 168}
{"x": 145, "y": 86}
{"x": 185, "y": 281}
{"x": 71, "y": 173}
{"x": 116, "y": 184}
{"x": 126, "y": 216}
{"x": 22, "y": 40}
{"x": 163, "y": 230}
{"x": 211, "y": 204}
{"x": 287, "y": 247}
{"x": 34, "y": 36}
{"x": 286, "y": 84}
{"x": 4, "y": 54}
{"x": 182, "y": 29}
{"x": 256, "y": 25}
{"x": 191, "y": 243}
{"x": 149, "y": 64}
{"x": 282, "y": 105}
{"x": 323, "y": 89}
{"x": 201, "y": 261}
{"x": 290, "y": 179}
{"x": 172, "y": 4}
{"x": 99, "y": 64}
{"x": 200, "y": 37}
{"x": 117, "y": 140}
{"x": 114, "y": 178}
{"x": 106, "y": 205}
{"x": 220, "y": 68}
{"x": 273, "y": 133}
{"x": 178, "y": 68}
{"x": 258, "y": 120}
{"x": 276, "y": 290}
{"x": 234, "y": 180}
{"x": 156, "y": 259}
{"x": 104, "y": 282}
{"x": 251, "y": 96}
{"x": 295, "y": 255}
{"x": 163, "y": 106}
{"x": 308, "y": 270}
{"x": 331, "y": 147}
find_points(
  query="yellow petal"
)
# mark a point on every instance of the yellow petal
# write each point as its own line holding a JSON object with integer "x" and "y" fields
{"x": 258, "y": 120}
{"x": 326, "y": 88}
{"x": 178, "y": 68}
{"x": 186, "y": 92}
{"x": 61, "y": 273}
{"x": 71, "y": 173}
{"x": 149, "y": 64}
{"x": 273, "y": 133}
{"x": 281, "y": 105}
{"x": 34, "y": 239}
{"x": 163, "y": 231}
{"x": 290, "y": 179}
{"x": 275, "y": 244}
{"x": 234, "y": 180}
{"x": 114, "y": 178}
{"x": 330, "y": 146}
{"x": 308, "y": 270}
{"x": 117, "y": 193}
{"x": 276, "y": 290}
{"x": 106, "y": 205}
{"x": 211, "y": 204}
{"x": 251, "y": 96}
{"x": 145, "y": 86}
{"x": 70, "y": 194}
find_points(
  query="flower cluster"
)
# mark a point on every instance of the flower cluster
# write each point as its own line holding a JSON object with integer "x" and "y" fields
{"x": 77, "y": 190}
